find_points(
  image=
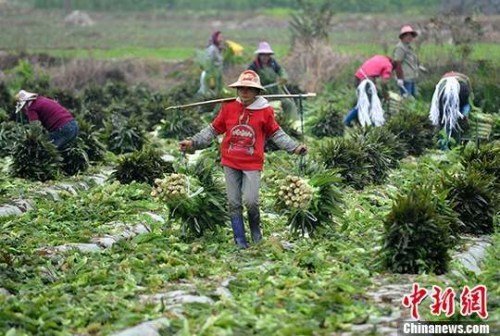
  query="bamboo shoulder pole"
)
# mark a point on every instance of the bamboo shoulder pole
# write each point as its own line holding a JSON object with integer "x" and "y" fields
{"x": 276, "y": 96}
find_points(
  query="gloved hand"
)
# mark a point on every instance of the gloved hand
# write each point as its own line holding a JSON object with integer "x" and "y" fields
{"x": 400, "y": 83}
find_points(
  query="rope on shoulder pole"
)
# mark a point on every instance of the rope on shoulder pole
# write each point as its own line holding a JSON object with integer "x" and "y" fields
{"x": 275, "y": 96}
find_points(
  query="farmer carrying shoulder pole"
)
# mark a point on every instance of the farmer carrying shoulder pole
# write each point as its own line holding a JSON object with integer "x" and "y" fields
{"x": 368, "y": 108}
{"x": 407, "y": 66}
{"x": 450, "y": 106}
{"x": 246, "y": 124}
{"x": 62, "y": 126}
{"x": 211, "y": 76}
{"x": 273, "y": 76}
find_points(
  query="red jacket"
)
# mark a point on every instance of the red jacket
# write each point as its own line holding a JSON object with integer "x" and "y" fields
{"x": 245, "y": 132}
{"x": 376, "y": 66}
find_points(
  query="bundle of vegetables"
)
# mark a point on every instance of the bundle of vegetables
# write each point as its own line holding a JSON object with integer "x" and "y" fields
{"x": 310, "y": 203}
{"x": 380, "y": 146}
{"x": 413, "y": 128}
{"x": 198, "y": 209}
{"x": 35, "y": 157}
{"x": 296, "y": 192}
{"x": 350, "y": 157}
{"x": 417, "y": 233}
{"x": 10, "y": 132}
{"x": 173, "y": 187}
{"x": 75, "y": 158}
{"x": 145, "y": 165}
{"x": 89, "y": 135}
{"x": 326, "y": 121}
{"x": 472, "y": 195}
{"x": 392, "y": 105}
{"x": 125, "y": 135}
{"x": 485, "y": 158}
{"x": 480, "y": 125}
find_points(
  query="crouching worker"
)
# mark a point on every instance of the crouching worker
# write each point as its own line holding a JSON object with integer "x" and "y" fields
{"x": 246, "y": 124}
{"x": 59, "y": 122}
{"x": 368, "y": 108}
{"x": 450, "y": 107}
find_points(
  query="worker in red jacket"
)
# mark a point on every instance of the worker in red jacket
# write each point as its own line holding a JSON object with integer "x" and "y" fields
{"x": 62, "y": 126}
{"x": 246, "y": 124}
{"x": 368, "y": 109}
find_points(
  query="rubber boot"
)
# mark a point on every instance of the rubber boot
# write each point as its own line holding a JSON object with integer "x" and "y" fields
{"x": 254, "y": 221}
{"x": 239, "y": 231}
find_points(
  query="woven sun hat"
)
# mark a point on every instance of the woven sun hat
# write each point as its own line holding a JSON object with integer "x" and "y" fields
{"x": 22, "y": 97}
{"x": 407, "y": 30}
{"x": 264, "y": 48}
{"x": 248, "y": 78}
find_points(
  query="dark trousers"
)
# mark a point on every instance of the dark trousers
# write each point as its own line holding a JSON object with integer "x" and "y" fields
{"x": 65, "y": 135}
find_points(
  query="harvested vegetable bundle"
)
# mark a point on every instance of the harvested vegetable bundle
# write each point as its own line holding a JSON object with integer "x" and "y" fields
{"x": 296, "y": 192}
{"x": 141, "y": 166}
{"x": 310, "y": 203}
{"x": 417, "y": 233}
{"x": 197, "y": 206}
{"x": 34, "y": 156}
{"x": 172, "y": 187}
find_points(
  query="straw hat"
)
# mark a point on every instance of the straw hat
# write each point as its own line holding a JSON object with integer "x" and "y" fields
{"x": 407, "y": 30}
{"x": 248, "y": 78}
{"x": 264, "y": 48}
{"x": 22, "y": 97}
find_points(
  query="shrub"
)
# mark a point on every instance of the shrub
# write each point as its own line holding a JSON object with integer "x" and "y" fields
{"x": 485, "y": 158}
{"x": 416, "y": 235}
{"x": 35, "y": 158}
{"x": 180, "y": 124}
{"x": 472, "y": 195}
{"x": 395, "y": 148}
{"x": 10, "y": 133}
{"x": 6, "y": 99}
{"x": 125, "y": 135}
{"x": 413, "y": 128}
{"x": 379, "y": 154}
{"x": 75, "y": 158}
{"x": 145, "y": 165}
{"x": 94, "y": 148}
{"x": 327, "y": 121}
{"x": 350, "y": 158}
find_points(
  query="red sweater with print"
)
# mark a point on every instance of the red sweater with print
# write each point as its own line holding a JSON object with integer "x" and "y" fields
{"x": 52, "y": 115}
{"x": 245, "y": 132}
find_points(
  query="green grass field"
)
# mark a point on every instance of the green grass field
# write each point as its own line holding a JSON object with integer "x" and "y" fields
{"x": 176, "y": 36}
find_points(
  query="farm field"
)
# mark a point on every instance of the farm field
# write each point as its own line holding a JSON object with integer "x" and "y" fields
{"x": 149, "y": 34}
{"x": 94, "y": 240}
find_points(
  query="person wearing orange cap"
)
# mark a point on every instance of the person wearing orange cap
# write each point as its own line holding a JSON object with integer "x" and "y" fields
{"x": 406, "y": 62}
{"x": 273, "y": 76}
{"x": 246, "y": 123}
